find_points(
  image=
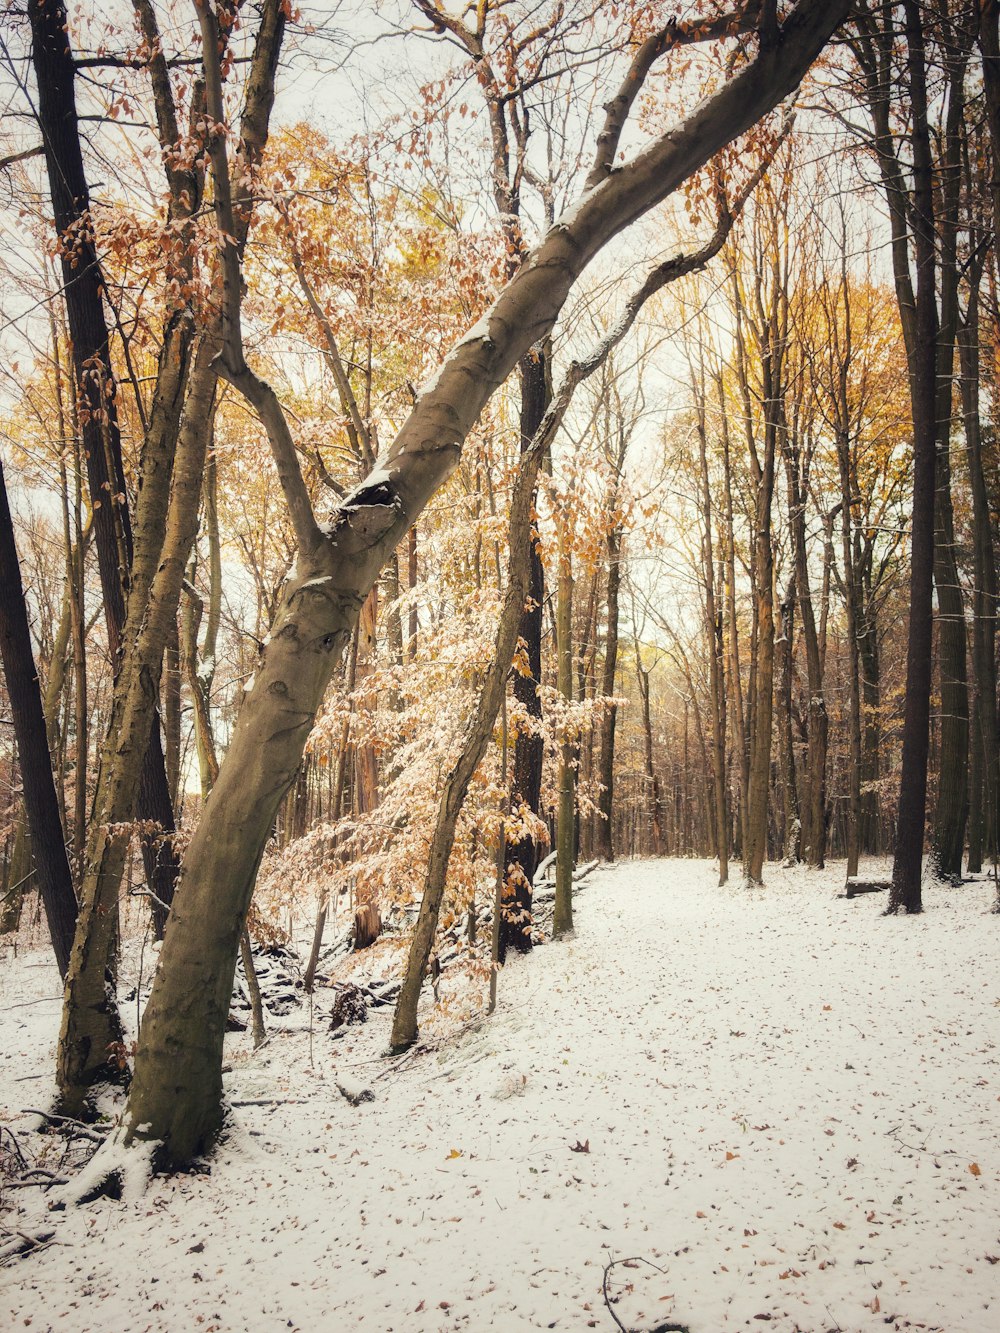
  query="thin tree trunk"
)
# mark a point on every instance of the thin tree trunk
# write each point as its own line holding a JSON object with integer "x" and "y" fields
{"x": 716, "y": 650}
{"x": 604, "y": 841}
{"x": 477, "y": 736}
{"x": 90, "y": 1022}
{"x": 566, "y": 783}
{"x": 786, "y": 755}
{"x": 853, "y": 656}
{"x": 813, "y": 839}
{"x": 732, "y": 622}
{"x": 652, "y": 781}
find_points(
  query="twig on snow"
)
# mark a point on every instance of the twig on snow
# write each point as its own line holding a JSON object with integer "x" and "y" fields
{"x": 631, "y": 1263}
{"x": 46, "y": 1179}
{"x": 75, "y": 1127}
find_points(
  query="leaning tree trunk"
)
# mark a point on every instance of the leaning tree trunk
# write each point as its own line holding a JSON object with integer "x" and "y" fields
{"x": 90, "y": 1035}
{"x": 478, "y": 732}
{"x": 48, "y": 845}
{"x": 175, "y": 1097}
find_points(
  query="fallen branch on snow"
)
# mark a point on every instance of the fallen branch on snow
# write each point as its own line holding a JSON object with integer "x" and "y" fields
{"x": 633, "y": 1262}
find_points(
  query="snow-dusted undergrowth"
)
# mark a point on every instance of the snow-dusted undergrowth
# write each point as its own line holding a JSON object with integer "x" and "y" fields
{"x": 782, "y": 1104}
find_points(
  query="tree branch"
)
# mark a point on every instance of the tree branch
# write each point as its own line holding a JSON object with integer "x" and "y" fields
{"x": 673, "y": 35}
{"x": 230, "y": 362}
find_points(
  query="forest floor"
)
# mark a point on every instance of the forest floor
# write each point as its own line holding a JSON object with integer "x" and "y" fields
{"x": 724, "y": 1109}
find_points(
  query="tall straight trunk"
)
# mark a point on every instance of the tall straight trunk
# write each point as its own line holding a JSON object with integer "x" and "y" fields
{"x": 922, "y": 365}
{"x": 604, "y": 842}
{"x": 18, "y": 872}
{"x": 952, "y": 805}
{"x": 769, "y": 332}
{"x": 48, "y": 846}
{"x": 649, "y": 768}
{"x": 872, "y": 838}
{"x": 951, "y": 811}
{"x": 853, "y": 657}
{"x": 814, "y": 803}
{"x": 566, "y": 809}
{"x": 984, "y": 598}
{"x": 786, "y": 753}
{"x": 52, "y": 698}
{"x": 529, "y": 743}
{"x": 413, "y": 619}
{"x": 716, "y": 652}
{"x": 755, "y": 847}
{"x": 732, "y": 622}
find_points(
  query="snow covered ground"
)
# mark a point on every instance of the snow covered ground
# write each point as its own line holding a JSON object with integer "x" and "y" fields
{"x": 770, "y": 1110}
